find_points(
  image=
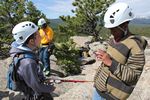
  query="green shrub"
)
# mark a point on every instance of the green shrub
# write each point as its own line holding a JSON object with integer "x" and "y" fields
{"x": 68, "y": 57}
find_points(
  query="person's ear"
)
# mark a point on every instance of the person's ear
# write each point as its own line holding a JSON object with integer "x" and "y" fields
{"x": 31, "y": 41}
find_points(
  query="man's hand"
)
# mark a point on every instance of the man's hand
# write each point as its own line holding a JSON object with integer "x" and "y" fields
{"x": 104, "y": 57}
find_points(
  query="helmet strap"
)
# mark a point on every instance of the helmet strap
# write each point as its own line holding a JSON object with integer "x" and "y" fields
{"x": 124, "y": 31}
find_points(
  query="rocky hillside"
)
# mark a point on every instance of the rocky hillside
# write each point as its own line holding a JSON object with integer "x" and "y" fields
{"x": 80, "y": 91}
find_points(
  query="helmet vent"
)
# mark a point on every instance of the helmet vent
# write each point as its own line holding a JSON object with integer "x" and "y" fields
{"x": 130, "y": 14}
{"x": 111, "y": 16}
{"x": 33, "y": 26}
{"x": 117, "y": 10}
{"x": 114, "y": 13}
{"x": 21, "y": 38}
{"x": 112, "y": 21}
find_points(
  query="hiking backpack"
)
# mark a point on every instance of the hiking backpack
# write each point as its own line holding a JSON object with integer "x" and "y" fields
{"x": 13, "y": 81}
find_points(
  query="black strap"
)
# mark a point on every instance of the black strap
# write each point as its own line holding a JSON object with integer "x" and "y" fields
{"x": 16, "y": 61}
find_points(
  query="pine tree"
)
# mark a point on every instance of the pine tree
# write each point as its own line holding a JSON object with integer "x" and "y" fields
{"x": 88, "y": 17}
{"x": 32, "y": 13}
{"x": 11, "y": 13}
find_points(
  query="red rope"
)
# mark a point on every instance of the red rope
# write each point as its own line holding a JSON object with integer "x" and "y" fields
{"x": 74, "y": 81}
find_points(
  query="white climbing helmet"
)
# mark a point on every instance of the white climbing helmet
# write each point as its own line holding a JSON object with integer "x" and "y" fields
{"x": 117, "y": 14}
{"x": 23, "y": 30}
{"x": 41, "y": 22}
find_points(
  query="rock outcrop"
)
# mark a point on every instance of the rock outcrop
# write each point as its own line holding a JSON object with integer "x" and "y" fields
{"x": 80, "y": 91}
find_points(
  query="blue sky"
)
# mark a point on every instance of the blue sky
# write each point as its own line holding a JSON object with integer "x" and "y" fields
{"x": 141, "y": 8}
{"x": 55, "y": 8}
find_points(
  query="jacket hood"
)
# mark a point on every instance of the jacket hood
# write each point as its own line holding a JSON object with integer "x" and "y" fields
{"x": 16, "y": 49}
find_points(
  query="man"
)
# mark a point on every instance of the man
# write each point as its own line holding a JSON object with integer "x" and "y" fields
{"x": 123, "y": 62}
{"x": 46, "y": 34}
{"x": 27, "y": 40}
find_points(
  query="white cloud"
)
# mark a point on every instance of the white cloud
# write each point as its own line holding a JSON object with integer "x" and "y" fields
{"x": 61, "y": 6}
{"x": 55, "y": 8}
{"x": 140, "y": 7}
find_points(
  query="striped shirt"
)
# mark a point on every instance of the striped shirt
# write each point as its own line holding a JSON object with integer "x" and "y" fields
{"x": 128, "y": 60}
